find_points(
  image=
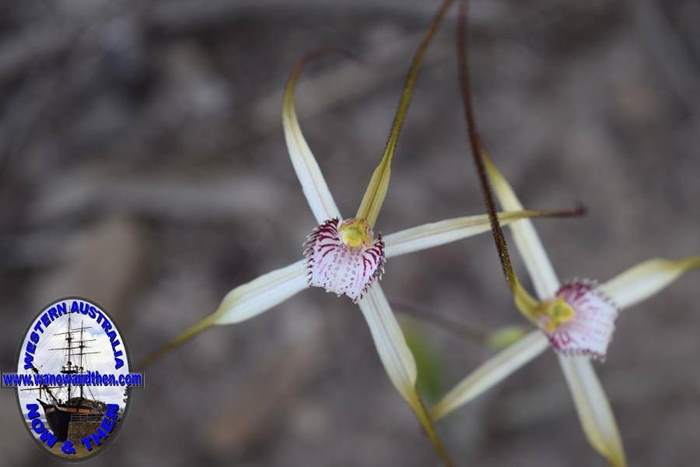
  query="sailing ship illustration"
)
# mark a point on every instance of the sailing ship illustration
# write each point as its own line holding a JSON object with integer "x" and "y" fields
{"x": 71, "y": 411}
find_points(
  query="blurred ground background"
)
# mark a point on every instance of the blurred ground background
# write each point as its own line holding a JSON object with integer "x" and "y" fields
{"x": 142, "y": 164}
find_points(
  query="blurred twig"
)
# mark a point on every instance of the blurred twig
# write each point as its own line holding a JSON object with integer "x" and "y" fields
{"x": 446, "y": 324}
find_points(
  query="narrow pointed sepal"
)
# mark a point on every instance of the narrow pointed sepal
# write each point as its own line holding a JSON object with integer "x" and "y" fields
{"x": 261, "y": 294}
{"x": 312, "y": 182}
{"x": 390, "y": 342}
{"x": 398, "y": 361}
{"x": 491, "y": 372}
{"x": 373, "y": 198}
{"x": 446, "y": 231}
{"x": 526, "y": 239}
{"x": 242, "y": 303}
{"x": 646, "y": 279}
{"x": 593, "y": 408}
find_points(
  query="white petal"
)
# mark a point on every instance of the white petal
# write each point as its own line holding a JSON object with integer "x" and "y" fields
{"x": 261, "y": 294}
{"x": 593, "y": 408}
{"x": 646, "y": 279}
{"x": 492, "y": 372}
{"x": 390, "y": 342}
{"x": 526, "y": 239}
{"x": 314, "y": 185}
{"x": 439, "y": 233}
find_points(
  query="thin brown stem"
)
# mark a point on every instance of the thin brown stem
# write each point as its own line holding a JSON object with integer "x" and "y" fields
{"x": 476, "y": 149}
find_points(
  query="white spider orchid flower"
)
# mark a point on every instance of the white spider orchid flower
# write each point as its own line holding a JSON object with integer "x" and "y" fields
{"x": 343, "y": 256}
{"x": 575, "y": 319}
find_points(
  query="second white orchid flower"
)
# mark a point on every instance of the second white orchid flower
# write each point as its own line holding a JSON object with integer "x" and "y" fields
{"x": 575, "y": 319}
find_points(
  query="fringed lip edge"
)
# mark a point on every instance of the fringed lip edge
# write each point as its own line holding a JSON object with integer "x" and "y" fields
{"x": 332, "y": 225}
{"x": 593, "y": 286}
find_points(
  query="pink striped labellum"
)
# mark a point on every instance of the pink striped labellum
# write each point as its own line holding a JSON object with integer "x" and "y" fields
{"x": 343, "y": 257}
{"x": 580, "y": 320}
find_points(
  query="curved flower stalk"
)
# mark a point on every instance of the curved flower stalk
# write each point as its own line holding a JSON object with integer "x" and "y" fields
{"x": 575, "y": 319}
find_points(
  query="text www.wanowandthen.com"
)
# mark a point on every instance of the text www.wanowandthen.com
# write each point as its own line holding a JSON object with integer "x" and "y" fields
{"x": 89, "y": 378}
